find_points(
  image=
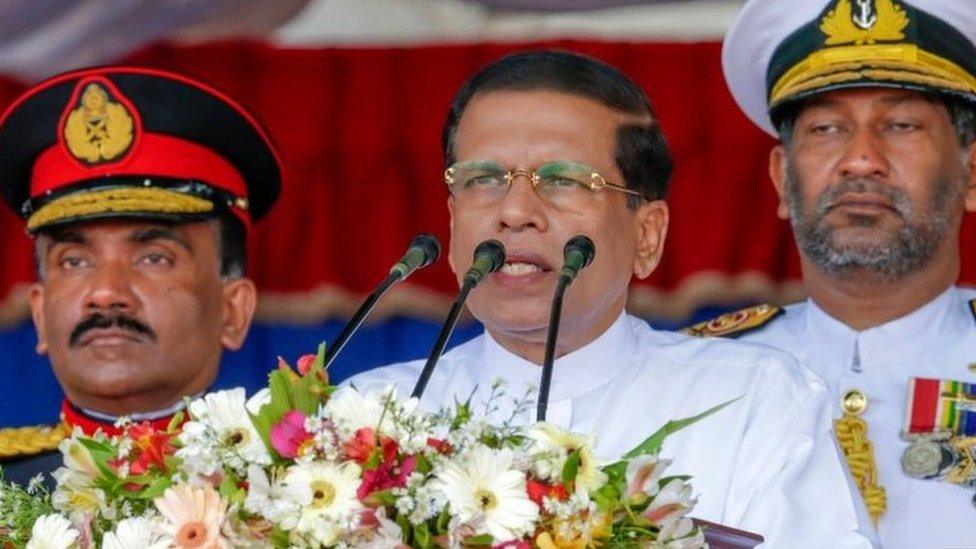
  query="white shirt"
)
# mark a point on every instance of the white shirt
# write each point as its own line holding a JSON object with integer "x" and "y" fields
{"x": 935, "y": 341}
{"x": 766, "y": 464}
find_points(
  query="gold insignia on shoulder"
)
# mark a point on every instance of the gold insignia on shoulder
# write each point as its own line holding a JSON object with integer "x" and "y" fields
{"x": 99, "y": 128}
{"x": 735, "y": 323}
{"x": 864, "y": 22}
{"x": 34, "y": 439}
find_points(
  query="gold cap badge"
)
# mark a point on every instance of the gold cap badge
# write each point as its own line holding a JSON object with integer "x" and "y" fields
{"x": 99, "y": 128}
{"x": 864, "y": 22}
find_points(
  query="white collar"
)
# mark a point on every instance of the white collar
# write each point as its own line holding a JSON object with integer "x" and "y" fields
{"x": 575, "y": 373}
{"x": 893, "y": 341}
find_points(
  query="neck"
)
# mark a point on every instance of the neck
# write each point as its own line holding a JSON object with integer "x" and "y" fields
{"x": 574, "y": 333}
{"x": 863, "y": 299}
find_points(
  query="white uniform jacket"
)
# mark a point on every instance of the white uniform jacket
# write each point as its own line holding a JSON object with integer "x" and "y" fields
{"x": 935, "y": 341}
{"x": 766, "y": 464}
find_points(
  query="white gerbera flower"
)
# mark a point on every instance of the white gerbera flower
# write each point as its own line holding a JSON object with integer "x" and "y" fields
{"x": 221, "y": 430}
{"x": 550, "y": 447}
{"x": 325, "y": 495}
{"x": 351, "y": 410}
{"x": 485, "y": 489}
{"x": 52, "y": 532}
{"x": 134, "y": 532}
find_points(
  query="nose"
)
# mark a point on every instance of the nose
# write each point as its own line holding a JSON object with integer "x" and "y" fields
{"x": 864, "y": 156}
{"x": 522, "y": 207}
{"x": 110, "y": 289}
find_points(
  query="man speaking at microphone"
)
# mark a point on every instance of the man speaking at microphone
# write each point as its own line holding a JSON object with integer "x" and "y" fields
{"x": 543, "y": 146}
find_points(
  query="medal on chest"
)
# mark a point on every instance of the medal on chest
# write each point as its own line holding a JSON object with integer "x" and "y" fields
{"x": 940, "y": 423}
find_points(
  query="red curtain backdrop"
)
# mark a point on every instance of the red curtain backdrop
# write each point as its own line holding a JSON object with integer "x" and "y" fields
{"x": 359, "y": 133}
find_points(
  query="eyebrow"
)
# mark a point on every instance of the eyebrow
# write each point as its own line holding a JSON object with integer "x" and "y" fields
{"x": 150, "y": 234}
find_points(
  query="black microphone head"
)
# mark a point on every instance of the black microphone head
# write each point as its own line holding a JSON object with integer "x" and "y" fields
{"x": 583, "y": 245}
{"x": 429, "y": 245}
{"x": 493, "y": 250}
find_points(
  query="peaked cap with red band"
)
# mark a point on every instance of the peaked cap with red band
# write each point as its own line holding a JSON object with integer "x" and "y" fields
{"x": 126, "y": 142}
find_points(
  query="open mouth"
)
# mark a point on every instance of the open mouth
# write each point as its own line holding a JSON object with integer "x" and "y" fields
{"x": 519, "y": 264}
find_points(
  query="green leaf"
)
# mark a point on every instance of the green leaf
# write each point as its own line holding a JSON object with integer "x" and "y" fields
{"x": 652, "y": 444}
{"x": 484, "y": 540}
{"x": 421, "y": 535}
{"x": 443, "y": 520}
{"x": 570, "y": 468}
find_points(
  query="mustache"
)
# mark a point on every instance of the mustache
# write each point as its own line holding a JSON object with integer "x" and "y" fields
{"x": 98, "y": 321}
{"x": 898, "y": 198}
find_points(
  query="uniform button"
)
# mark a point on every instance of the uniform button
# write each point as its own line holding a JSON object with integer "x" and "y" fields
{"x": 854, "y": 402}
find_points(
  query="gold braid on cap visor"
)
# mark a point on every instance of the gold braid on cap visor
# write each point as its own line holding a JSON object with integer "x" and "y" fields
{"x": 120, "y": 200}
{"x": 904, "y": 63}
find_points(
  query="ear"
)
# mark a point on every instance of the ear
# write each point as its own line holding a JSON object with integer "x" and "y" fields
{"x": 778, "y": 168}
{"x": 240, "y": 301}
{"x": 450, "y": 255}
{"x": 35, "y": 297}
{"x": 652, "y": 229}
{"x": 970, "y": 189}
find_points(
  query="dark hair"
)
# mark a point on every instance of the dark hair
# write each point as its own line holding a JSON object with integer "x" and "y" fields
{"x": 231, "y": 244}
{"x": 233, "y": 247}
{"x": 962, "y": 113}
{"x": 641, "y": 152}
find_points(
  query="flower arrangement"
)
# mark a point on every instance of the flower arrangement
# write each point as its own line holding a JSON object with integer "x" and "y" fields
{"x": 304, "y": 463}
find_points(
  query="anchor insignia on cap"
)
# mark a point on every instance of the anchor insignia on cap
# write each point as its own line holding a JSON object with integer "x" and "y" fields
{"x": 865, "y": 17}
{"x": 864, "y": 22}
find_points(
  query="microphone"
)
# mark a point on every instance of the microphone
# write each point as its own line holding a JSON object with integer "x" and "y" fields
{"x": 489, "y": 256}
{"x": 423, "y": 250}
{"x": 577, "y": 254}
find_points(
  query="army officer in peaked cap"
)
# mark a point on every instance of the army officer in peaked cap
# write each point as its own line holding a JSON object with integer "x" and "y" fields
{"x": 139, "y": 188}
{"x": 874, "y": 103}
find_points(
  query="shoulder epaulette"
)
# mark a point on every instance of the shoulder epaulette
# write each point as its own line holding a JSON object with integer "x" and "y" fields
{"x": 30, "y": 440}
{"x": 972, "y": 308}
{"x": 736, "y": 323}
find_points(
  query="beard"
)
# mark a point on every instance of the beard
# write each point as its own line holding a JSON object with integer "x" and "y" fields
{"x": 889, "y": 254}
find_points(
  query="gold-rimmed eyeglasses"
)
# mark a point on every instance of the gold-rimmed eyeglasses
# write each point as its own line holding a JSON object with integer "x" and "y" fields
{"x": 559, "y": 182}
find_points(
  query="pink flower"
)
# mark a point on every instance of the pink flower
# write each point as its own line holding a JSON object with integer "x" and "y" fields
{"x": 643, "y": 474}
{"x": 288, "y": 436}
{"x": 305, "y": 364}
{"x": 192, "y": 516}
{"x": 670, "y": 504}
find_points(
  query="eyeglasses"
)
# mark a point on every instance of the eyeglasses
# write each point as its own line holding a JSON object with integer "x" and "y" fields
{"x": 485, "y": 181}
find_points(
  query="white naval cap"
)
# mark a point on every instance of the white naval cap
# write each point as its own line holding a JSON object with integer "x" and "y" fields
{"x": 779, "y": 51}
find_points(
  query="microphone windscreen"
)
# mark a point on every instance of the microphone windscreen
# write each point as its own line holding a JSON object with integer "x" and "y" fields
{"x": 429, "y": 245}
{"x": 493, "y": 253}
{"x": 582, "y": 245}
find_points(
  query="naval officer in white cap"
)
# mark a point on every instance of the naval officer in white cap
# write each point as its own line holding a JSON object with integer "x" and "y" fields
{"x": 873, "y": 102}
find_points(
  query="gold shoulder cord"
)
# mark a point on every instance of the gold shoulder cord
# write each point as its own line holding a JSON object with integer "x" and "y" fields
{"x": 852, "y": 435}
{"x": 25, "y": 441}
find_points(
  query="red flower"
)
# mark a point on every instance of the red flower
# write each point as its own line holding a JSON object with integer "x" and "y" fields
{"x": 442, "y": 447}
{"x": 149, "y": 447}
{"x": 361, "y": 446}
{"x": 305, "y": 364}
{"x": 388, "y": 475}
{"x": 538, "y": 490}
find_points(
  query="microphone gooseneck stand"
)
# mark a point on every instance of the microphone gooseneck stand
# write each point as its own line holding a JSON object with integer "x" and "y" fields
{"x": 578, "y": 253}
{"x": 424, "y": 250}
{"x": 489, "y": 256}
